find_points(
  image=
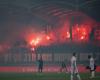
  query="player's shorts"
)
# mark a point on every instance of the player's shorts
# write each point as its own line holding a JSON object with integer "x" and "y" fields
{"x": 91, "y": 68}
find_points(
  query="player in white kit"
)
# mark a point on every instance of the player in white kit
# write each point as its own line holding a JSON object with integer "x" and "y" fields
{"x": 74, "y": 69}
{"x": 92, "y": 66}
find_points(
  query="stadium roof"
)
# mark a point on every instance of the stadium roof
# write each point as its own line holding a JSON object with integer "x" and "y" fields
{"x": 64, "y": 7}
{"x": 52, "y": 8}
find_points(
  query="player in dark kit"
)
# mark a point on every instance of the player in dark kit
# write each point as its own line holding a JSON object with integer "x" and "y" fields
{"x": 40, "y": 65}
{"x": 63, "y": 67}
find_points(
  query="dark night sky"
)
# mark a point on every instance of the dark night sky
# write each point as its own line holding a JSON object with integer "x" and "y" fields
{"x": 19, "y": 15}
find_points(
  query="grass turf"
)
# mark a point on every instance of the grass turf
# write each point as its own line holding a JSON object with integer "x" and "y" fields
{"x": 44, "y": 76}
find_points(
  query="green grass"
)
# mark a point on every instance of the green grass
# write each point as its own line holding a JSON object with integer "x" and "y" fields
{"x": 43, "y": 76}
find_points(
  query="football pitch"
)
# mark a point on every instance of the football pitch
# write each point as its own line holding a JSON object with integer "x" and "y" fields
{"x": 44, "y": 76}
